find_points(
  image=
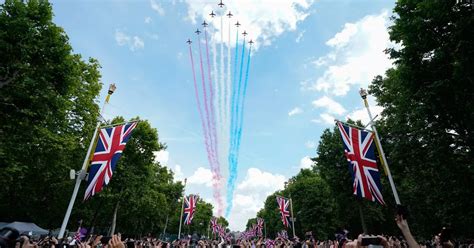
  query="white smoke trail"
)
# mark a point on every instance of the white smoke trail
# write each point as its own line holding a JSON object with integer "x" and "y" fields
{"x": 222, "y": 151}
{"x": 218, "y": 110}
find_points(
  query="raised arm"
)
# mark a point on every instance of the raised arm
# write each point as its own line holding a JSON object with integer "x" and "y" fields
{"x": 403, "y": 225}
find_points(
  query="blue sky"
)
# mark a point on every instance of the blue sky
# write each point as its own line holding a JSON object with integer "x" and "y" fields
{"x": 311, "y": 59}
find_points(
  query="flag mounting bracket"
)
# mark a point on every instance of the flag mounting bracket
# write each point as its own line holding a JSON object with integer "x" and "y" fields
{"x": 371, "y": 121}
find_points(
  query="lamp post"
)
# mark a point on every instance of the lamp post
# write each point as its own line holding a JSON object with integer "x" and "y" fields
{"x": 82, "y": 173}
{"x": 363, "y": 93}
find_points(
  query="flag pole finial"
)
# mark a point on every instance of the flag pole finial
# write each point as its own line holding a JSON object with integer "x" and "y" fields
{"x": 112, "y": 88}
{"x": 363, "y": 93}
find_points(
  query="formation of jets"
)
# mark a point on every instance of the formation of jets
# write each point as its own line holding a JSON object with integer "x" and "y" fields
{"x": 212, "y": 14}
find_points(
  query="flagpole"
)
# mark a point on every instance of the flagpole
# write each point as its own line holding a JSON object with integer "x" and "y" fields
{"x": 182, "y": 208}
{"x": 292, "y": 217}
{"x": 362, "y": 220}
{"x": 265, "y": 228}
{"x": 82, "y": 172}
{"x": 363, "y": 93}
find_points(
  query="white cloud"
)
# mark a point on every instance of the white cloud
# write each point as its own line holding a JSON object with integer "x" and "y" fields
{"x": 178, "y": 173}
{"x": 152, "y": 36}
{"x": 325, "y": 118}
{"x": 295, "y": 111}
{"x": 330, "y": 105}
{"x": 264, "y": 20}
{"x": 121, "y": 38}
{"x": 342, "y": 38}
{"x": 137, "y": 43}
{"x": 148, "y": 19}
{"x": 157, "y": 7}
{"x": 250, "y": 195}
{"x": 300, "y": 36}
{"x": 306, "y": 162}
{"x": 201, "y": 176}
{"x": 133, "y": 42}
{"x": 362, "y": 115}
{"x": 324, "y": 60}
{"x": 356, "y": 56}
{"x": 310, "y": 144}
{"x": 162, "y": 156}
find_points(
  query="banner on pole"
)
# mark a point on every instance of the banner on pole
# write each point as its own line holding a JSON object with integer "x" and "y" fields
{"x": 111, "y": 142}
{"x": 359, "y": 150}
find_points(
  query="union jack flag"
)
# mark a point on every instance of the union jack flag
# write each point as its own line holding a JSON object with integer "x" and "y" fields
{"x": 189, "y": 208}
{"x": 222, "y": 232}
{"x": 260, "y": 223}
{"x": 110, "y": 145}
{"x": 270, "y": 243}
{"x": 283, "y": 234}
{"x": 283, "y": 204}
{"x": 254, "y": 230}
{"x": 360, "y": 153}
{"x": 214, "y": 225}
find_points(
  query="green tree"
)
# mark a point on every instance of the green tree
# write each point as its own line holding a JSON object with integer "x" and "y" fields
{"x": 48, "y": 110}
{"x": 222, "y": 221}
{"x": 428, "y": 113}
{"x": 250, "y": 223}
{"x": 271, "y": 215}
{"x": 200, "y": 222}
{"x": 313, "y": 205}
{"x": 322, "y": 197}
{"x": 334, "y": 169}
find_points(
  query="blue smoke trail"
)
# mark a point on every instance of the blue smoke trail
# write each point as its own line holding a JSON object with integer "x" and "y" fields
{"x": 241, "y": 119}
{"x": 232, "y": 119}
{"x": 234, "y": 92}
{"x": 232, "y": 153}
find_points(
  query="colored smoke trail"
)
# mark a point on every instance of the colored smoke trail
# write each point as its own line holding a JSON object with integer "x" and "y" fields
{"x": 234, "y": 95}
{"x": 224, "y": 88}
{"x": 233, "y": 151}
{"x": 244, "y": 94}
{"x": 212, "y": 158}
{"x": 221, "y": 103}
{"x": 211, "y": 103}
{"x": 228, "y": 97}
{"x": 213, "y": 131}
{"x": 216, "y": 176}
{"x": 232, "y": 123}
{"x": 205, "y": 99}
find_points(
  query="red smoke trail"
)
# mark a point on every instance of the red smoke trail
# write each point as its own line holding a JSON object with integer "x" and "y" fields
{"x": 213, "y": 131}
{"x": 216, "y": 174}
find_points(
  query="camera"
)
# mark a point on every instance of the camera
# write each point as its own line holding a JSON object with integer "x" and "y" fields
{"x": 370, "y": 240}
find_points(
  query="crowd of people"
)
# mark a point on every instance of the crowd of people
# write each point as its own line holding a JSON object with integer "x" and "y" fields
{"x": 10, "y": 238}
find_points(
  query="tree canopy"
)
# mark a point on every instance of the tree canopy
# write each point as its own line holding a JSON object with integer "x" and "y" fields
{"x": 426, "y": 132}
{"x": 48, "y": 110}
